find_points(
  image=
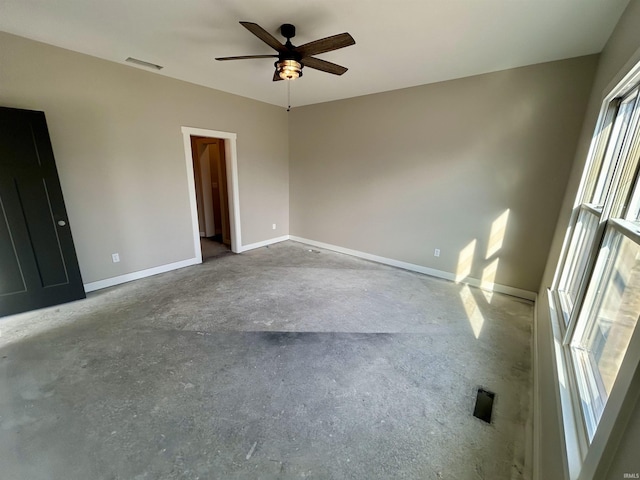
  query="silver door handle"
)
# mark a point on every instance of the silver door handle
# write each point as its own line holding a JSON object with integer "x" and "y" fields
{"x": 62, "y": 223}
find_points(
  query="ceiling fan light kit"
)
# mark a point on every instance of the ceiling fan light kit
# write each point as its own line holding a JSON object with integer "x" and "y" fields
{"x": 288, "y": 69}
{"x": 292, "y": 59}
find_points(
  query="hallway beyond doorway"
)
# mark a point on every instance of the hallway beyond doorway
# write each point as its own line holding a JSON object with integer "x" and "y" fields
{"x": 213, "y": 247}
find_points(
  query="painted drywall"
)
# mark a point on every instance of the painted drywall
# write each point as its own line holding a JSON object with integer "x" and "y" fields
{"x": 618, "y": 57}
{"x": 116, "y": 135}
{"x": 474, "y": 167}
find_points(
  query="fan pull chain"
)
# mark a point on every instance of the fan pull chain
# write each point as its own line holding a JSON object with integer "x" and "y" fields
{"x": 288, "y": 95}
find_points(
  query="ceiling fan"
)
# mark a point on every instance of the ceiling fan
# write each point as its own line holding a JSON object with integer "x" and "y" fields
{"x": 292, "y": 59}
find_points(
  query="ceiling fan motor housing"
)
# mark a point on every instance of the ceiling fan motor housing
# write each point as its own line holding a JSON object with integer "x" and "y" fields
{"x": 288, "y": 65}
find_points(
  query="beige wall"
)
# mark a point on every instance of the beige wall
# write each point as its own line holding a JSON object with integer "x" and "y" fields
{"x": 401, "y": 173}
{"x": 618, "y": 56}
{"x": 116, "y": 136}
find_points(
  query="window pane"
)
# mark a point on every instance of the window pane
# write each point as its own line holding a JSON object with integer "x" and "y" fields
{"x": 627, "y": 200}
{"x": 607, "y": 321}
{"x": 610, "y": 159}
{"x": 577, "y": 259}
{"x": 633, "y": 212}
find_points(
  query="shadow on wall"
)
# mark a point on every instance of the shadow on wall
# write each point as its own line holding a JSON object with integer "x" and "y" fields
{"x": 491, "y": 261}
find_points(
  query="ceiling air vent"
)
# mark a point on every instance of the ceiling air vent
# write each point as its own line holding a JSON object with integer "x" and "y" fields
{"x": 142, "y": 63}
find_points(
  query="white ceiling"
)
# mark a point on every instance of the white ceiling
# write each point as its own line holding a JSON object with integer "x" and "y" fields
{"x": 399, "y": 43}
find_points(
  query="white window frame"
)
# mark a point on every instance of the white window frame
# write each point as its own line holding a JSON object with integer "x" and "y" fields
{"x": 585, "y": 453}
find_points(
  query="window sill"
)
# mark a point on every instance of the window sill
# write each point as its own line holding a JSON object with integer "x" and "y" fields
{"x": 573, "y": 445}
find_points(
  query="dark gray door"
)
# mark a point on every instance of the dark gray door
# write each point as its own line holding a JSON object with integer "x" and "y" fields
{"x": 38, "y": 265}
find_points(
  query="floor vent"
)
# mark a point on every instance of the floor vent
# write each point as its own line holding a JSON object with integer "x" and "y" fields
{"x": 484, "y": 405}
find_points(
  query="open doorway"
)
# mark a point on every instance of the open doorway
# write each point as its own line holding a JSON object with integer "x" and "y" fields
{"x": 212, "y": 178}
{"x": 212, "y": 198}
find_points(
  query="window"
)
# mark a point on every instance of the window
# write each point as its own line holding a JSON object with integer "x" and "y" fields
{"x": 612, "y": 142}
{"x": 606, "y": 323}
{"x": 597, "y": 287}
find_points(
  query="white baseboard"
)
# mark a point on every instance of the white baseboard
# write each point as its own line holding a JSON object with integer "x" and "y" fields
{"x": 493, "y": 287}
{"x": 264, "y": 243}
{"x": 110, "y": 282}
{"x": 533, "y": 437}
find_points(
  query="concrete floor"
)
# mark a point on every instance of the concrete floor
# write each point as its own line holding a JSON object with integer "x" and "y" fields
{"x": 212, "y": 248}
{"x": 277, "y": 363}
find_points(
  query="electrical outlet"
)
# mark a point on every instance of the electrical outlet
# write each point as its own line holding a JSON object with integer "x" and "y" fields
{"x": 436, "y": 252}
{"x": 273, "y": 227}
{"x": 115, "y": 257}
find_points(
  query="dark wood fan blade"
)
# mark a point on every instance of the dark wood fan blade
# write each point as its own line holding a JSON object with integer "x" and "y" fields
{"x": 325, "y": 45}
{"x": 246, "y": 57}
{"x": 276, "y": 77}
{"x": 323, "y": 65}
{"x": 265, "y": 36}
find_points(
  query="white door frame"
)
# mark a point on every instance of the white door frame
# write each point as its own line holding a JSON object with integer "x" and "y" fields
{"x": 231, "y": 161}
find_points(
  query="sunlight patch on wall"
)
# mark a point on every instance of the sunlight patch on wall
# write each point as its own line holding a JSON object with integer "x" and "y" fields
{"x": 488, "y": 279}
{"x": 475, "y": 317}
{"x": 496, "y": 239}
{"x": 465, "y": 261}
{"x": 498, "y": 230}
